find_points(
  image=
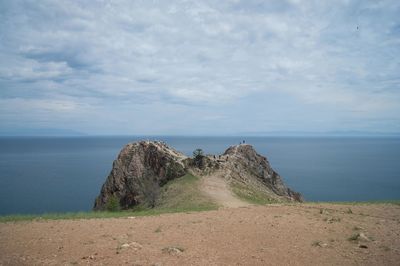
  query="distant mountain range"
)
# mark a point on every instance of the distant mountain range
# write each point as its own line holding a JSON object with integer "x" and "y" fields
{"x": 349, "y": 133}
{"x": 40, "y": 132}
{"x": 59, "y": 132}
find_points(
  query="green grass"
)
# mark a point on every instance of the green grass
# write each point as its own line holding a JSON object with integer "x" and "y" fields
{"x": 179, "y": 195}
{"x": 97, "y": 214}
{"x": 184, "y": 194}
{"x": 68, "y": 215}
{"x": 251, "y": 195}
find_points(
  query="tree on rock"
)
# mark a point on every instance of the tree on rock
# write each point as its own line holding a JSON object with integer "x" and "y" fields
{"x": 198, "y": 156}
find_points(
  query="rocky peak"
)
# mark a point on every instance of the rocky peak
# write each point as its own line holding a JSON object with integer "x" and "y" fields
{"x": 253, "y": 168}
{"x": 139, "y": 165}
{"x": 247, "y": 153}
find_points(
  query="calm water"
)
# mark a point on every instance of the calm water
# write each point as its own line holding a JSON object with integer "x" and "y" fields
{"x": 40, "y": 175}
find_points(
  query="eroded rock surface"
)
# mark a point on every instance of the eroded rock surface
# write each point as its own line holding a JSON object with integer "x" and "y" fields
{"x": 138, "y": 164}
{"x": 247, "y": 166}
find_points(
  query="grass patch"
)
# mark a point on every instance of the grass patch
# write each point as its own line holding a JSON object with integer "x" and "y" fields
{"x": 319, "y": 244}
{"x": 66, "y": 215}
{"x": 179, "y": 195}
{"x": 332, "y": 219}
{"x": 316, "y": 243}
{"x": 184, "y": 194}
{"x": 353, "y": 237}
{"x": 251, "y": 195}
{"x": 96, "y": 214}
{"x": 349, "y": 211}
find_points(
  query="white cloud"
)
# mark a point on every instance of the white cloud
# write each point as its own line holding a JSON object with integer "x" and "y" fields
{"x": 341, "y": 54}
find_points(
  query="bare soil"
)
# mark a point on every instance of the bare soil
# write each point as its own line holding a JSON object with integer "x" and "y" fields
{"x": 300, "y": 234}
{"x": 218, "y": 190}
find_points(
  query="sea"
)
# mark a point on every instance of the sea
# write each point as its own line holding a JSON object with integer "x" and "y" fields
{"x": 65, "y": 174}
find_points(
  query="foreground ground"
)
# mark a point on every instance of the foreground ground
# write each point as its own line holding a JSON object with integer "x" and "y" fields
{"x": 301, "y": 234}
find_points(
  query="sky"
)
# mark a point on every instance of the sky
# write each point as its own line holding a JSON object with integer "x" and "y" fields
{"x": 199, "y": 67}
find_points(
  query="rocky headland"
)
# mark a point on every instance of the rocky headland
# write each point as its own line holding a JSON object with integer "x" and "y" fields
{"x": 143, "y": 167}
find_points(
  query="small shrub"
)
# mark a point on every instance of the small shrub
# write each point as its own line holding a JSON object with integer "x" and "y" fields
{"x": 353, "y": 237}
{"x": 316, "y": 243}
{"x": 357, "y": 228}
{"x": 150, "y": 191}
{"x": 332, "y": 219}
{"x": 113, "y": 204}
{"x": 319, "y": 244}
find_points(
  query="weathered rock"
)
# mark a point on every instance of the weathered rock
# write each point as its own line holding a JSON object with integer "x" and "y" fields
{"x": 152, "y": 161}
{"x": 137, "y": 164}
{"x": 363, "y": 238}
{"x": 172, "y": 250}
{"x": 132, "y": 245}
{"x": 250, "y": 167}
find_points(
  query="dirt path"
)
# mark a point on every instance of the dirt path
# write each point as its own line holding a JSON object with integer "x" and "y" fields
{"x": 217, "y": 188}
{"x": 301, "y": 234}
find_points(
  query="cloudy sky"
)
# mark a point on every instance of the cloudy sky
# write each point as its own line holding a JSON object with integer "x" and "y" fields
{"x": 199, "y": 67}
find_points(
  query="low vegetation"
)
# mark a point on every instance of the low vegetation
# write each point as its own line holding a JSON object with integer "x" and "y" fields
{"x": 112, "y": 204}
{"x": 179, "y": 195}
{"x": 150, "y": 190}
{"x": 353, "y": 237}
{"x": 251, "y": 195}
{"x": 184, "y": 194}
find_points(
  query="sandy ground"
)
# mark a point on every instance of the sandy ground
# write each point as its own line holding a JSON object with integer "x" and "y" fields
{"x": 302, "y": 234}
{"x": 217, "y": 189}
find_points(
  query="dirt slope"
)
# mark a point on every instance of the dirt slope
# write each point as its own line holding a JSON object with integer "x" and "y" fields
{"x": 301, "y": 234}
{"x": 217, "y": 189}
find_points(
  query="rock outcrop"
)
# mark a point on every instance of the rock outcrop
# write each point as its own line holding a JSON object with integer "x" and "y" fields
{"x": 143, "y": 164}
{"x": 247, "y": 166}
{"x": 138, "y": 166}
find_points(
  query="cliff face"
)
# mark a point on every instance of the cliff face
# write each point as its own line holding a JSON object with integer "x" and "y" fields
{"x": 247, "y": 166}
{"x": 139, "y": 166}
{"x": 143, "y": 165}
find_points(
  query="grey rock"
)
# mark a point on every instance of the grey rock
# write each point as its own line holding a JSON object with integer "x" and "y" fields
{"x": 250, "y": 167}
{"x": 363, "y": 237}
{"x": 172, "y": 250}
{"x": 138, "y": 163}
